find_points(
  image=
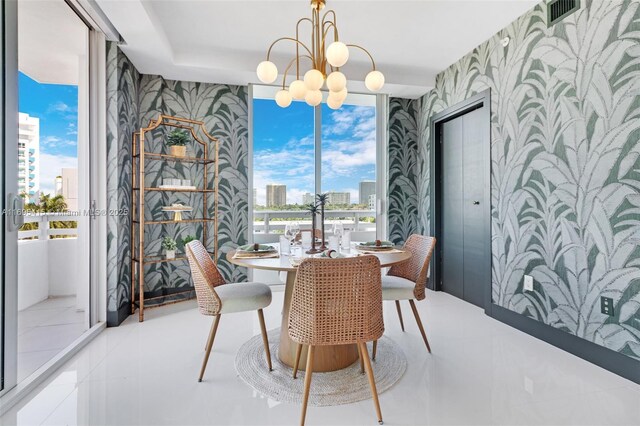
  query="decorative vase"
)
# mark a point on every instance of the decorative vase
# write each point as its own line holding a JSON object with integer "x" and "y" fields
{"x": 322, "y": 246}
{"x": 178, "y": 150}
{"x": 313, "y": 249}
{"x": 170, "y": 254}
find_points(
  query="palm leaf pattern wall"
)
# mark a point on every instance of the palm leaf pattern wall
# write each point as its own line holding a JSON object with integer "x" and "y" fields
{"x": 122, "y": 119}
{"x": 565, "y": 179}
{"x": 403, "y": 153}
{"x": 224, "y": 110}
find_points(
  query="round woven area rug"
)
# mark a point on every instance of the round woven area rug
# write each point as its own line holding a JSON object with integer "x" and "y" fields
{"x": 335, "y": 388}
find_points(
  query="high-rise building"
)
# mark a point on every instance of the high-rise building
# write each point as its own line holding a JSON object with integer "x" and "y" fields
{"x": 308, "y": 198}
{"x": 367, "y": 188}
{"x": 58, "y": 185}
{"x": 372, "y": 202}
{"x": 29, "y": 156}
{"x": 69, "y": 190}
{"x": 339, "y": 198}
{"x": 276, "y": 195}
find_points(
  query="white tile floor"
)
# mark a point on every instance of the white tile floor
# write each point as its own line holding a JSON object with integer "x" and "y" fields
{"x": 44, "y": 329}
{"x": 480, "y": 372}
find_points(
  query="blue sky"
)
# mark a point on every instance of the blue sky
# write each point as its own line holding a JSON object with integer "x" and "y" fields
{"x": 56, "y": 106}
{"x": 284, "y": 148}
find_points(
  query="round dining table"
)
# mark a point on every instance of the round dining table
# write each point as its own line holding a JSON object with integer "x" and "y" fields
{"x": 326, "y": 358}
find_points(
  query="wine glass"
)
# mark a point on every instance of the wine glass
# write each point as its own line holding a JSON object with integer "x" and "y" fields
{"x": 338, "y": 230}
{"x": 291, "y": 230}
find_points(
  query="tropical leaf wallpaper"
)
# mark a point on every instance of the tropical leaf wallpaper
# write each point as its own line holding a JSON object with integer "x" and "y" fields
{"x": 402, "y": 215}
{"x": 565, "y": 159}
{"x": 225, "y": 113}
{"x": 122, "y": 119}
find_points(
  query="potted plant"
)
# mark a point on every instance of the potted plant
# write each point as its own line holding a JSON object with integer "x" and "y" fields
{"x": 313, "y": 209}
{"x": 186, "y": 240}
{"x": 177, "y": 141}
{"x": 170, "y": 246}
{"x": 322, "y": 200}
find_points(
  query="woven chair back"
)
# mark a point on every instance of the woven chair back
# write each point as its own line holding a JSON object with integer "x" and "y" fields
{"x": 206, "y": 277}
{"x": 416, "y": 269}
{"x": 337, "y": 301}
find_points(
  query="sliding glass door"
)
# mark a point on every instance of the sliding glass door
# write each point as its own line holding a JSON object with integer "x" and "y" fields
{"x": 46, "y": 236}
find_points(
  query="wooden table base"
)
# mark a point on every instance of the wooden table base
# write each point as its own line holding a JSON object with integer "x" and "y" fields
{"x": 325, "y": 358}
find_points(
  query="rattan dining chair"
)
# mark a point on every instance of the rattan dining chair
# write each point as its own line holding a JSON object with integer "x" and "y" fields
{"x": 216, "y": 297}
{"x": 408, "y": 280}
{"x": 336, "y": 302}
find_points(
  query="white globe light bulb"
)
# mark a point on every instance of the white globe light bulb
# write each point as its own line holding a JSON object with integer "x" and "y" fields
{"x": 267, "y": 72}
{"x": 336, "y": 81}
{"x": 297, "y": 89}
{"x": 333, "y": 102}
{"x": 283, "y": 98}
{"x": 313, "y": 97}
{"x": 374, "y": 80}
{"x": 341, "y": 95}
{"x": 337, "y": 54}
{"x": 313, "y": 79}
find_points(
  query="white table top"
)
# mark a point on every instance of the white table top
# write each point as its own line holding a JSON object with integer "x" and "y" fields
{"x": 283, "y": 262}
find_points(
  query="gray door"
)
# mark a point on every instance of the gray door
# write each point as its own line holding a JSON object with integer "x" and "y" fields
{"x": 463, "y": 233}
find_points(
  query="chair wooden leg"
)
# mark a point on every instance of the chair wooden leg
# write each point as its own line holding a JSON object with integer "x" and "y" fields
{"x": 400, "y": 314}
{"x": 361, "y": 359}
{"x": 372, "y": 382}
{"x": 297, "y": 363}
{"x": 265, "y": 339}
{"x": 212, "y": 336}
{"x": 375, "y": 349}
{"x": 307, "y": 384}
{"x": 415, "y": 314}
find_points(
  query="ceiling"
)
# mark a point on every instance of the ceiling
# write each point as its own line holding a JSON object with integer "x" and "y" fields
{"x": 52, "y": 41}
{"x": 223, "y": 41}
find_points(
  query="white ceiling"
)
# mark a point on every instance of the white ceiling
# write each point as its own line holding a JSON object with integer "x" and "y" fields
{"x": 52, "y": 41}
{"x": 223, "y": 41}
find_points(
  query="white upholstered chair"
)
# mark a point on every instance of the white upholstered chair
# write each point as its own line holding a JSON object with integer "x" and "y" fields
{"x": 215, "y": 297}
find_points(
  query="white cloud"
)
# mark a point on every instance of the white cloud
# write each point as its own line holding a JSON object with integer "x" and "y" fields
{"x": 53, "y": 142}
{"x": 50, "y": 167}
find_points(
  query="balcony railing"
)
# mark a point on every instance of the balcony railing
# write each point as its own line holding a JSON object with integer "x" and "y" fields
{"x": 45, "y": 231}
{"x": 274, "y": 221}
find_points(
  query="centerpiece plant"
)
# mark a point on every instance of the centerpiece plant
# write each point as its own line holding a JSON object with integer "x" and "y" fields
{"x": 313, "y": 209}
{"x": 322, "y": 200}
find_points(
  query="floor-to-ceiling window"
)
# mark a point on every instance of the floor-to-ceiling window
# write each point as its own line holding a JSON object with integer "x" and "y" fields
{"x": 287, "y": 174}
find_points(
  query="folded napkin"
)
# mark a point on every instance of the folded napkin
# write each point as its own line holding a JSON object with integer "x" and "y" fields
{"x": 380, "y": 251}
{"x": 260, "y": 248}
{"x": 332, "y": 254}
{"x": 255, "y": 255}
{"x": 373, "y": 243}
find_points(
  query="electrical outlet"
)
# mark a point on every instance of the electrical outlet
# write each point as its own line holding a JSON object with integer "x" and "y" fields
{"x": 606, "y": 306}
{"x": 528, "y": 283}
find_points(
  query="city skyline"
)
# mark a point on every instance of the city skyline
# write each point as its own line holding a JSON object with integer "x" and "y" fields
{"x": 284, "y": 149}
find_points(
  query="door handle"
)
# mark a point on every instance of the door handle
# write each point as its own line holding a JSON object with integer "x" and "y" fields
{"x": 476, "y": 203}
{"x": 16, "y": 216}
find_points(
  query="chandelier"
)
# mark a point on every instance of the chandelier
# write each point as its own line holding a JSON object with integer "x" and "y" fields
{"x": 325, "y": 64}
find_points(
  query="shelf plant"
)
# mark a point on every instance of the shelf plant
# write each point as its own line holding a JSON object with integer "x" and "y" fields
{"x": 170, "y": 246}
{"x": 186, "y": 240}
{"x": 177, "y": 141}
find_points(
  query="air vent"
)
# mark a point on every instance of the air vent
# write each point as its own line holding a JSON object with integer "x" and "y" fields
{"x": 557, "y": 10}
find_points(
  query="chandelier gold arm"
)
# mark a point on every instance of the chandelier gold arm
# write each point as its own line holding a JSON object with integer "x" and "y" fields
{"x": 297, "y": 60}
{"x": 298, "y": 47}
{"x": 287, "y": 38}
{"x": 373, "y": 63}
{"x": 334, "y": 23}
